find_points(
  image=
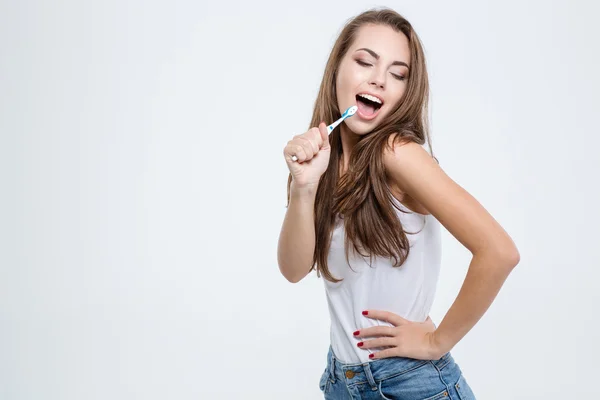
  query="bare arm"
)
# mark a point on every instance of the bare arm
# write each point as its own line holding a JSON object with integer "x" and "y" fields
{"x": 297, "y": 238}
{"x": 494, "y": 253}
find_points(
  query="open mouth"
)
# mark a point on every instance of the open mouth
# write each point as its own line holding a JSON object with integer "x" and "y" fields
{"x": 367, "y": 107}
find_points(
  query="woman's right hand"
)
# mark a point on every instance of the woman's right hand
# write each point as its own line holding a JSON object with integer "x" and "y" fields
{"x": 312, "y": 150}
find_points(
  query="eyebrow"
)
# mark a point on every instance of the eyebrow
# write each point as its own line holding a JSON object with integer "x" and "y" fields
{"x": 376, "y": 56}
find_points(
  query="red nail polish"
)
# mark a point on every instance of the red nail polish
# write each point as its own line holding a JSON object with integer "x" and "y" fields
{"x": 371, "y": 355}
{"x": 365, "y": 313}
{"x": 356, "y": 333}
{"x": 359, "y": 344}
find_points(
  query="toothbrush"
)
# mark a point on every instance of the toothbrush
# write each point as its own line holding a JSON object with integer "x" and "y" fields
{"x": 348, "y": 113}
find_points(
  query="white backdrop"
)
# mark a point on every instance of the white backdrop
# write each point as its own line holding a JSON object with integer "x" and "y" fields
{"x": 143, "y": 189}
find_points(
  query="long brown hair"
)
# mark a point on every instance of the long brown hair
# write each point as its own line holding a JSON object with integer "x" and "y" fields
{"x": 362, "y": 195}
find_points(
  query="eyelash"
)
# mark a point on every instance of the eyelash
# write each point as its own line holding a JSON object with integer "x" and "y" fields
{"x": 364, "y": 64}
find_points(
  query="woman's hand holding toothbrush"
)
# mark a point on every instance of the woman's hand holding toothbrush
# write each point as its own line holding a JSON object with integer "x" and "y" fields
{"x": 307, "y": 156}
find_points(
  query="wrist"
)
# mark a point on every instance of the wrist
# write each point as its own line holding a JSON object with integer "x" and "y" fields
{"x": 303, "y": 190}
{"x": 439, "y": 345}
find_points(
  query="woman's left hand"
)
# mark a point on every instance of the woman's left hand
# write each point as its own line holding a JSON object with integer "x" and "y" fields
{"x": 406, "y": 338}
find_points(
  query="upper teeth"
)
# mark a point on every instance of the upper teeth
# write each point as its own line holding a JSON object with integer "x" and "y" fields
{"x": 372, "y": 98}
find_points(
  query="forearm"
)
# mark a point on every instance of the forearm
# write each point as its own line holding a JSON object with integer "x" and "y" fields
{"x": 486, "y": 275}
{"x": 297, "y": 238}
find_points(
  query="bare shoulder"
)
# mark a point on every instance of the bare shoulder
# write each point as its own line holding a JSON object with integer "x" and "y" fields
{"x": 401, "y": 160}
{"x": 415, "y": 172}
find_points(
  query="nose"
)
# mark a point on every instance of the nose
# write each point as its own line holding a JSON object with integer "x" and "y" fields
{"x": 377, "y": 78}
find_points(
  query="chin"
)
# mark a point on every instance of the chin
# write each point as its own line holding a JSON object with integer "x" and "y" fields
{"x": 360, "y": 128}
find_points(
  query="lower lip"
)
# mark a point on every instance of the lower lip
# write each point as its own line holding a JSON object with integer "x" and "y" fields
{"x": 368, "y": 117}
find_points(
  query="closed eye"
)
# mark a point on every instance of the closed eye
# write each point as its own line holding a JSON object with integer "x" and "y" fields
{"x": 364, "y": 64}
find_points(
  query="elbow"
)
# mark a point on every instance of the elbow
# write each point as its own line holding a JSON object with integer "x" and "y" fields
{"x": 505, "y": 252}
{"x": 514, "y": 258}
{"x": 293, "y": 279}
{"x": 291, "y": 271}
{"x": 510, "y": 256}
{"x": 289, "y": 277}
{"x": 504, "y": 257}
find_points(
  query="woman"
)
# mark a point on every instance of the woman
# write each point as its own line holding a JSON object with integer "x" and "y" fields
{"x": 372, "y": 187}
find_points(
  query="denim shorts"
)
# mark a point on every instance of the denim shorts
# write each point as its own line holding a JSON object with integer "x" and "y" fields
{"x": 395, "y": 378}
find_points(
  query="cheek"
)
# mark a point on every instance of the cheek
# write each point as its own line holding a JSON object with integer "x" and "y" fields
{"x": 345, "y": 88}
{"x": 350, "y": 78}
{"x": 399, "y": 95}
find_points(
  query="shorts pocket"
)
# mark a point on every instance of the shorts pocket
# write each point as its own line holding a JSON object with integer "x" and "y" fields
{"x": 463, "y": 389}
{"x": 420, "y": 383}
{"x": 441, "y": 395}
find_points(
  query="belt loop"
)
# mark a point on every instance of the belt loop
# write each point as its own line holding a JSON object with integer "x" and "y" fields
{"x": 332, "y": 372}
{"x": 370, "y": 379}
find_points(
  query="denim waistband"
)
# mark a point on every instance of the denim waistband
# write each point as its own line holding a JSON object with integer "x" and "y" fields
{"x": 374, "y": 371}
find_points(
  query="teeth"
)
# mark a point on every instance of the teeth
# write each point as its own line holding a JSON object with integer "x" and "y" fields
{"x": 369, "y": 97}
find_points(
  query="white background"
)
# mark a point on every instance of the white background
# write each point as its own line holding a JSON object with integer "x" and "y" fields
{"x": 143, "y": 189}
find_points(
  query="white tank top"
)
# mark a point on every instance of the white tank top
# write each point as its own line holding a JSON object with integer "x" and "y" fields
{"x": 408, "y": 290}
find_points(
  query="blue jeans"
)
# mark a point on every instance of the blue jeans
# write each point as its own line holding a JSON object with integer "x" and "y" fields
{"x": 395, "y": 378}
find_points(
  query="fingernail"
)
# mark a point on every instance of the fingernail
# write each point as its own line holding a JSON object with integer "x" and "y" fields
{"x": 356, "y": 333}
{"x": 359, "y": 344}
{"x": 365, "y": 313}
{"x": 371, "y": 355}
